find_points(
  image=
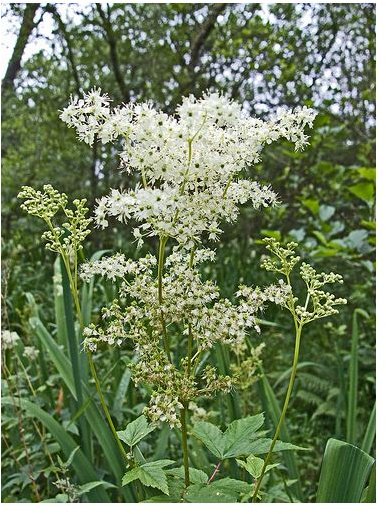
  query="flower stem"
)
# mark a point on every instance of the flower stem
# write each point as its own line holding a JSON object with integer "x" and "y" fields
{"x": 216, "y": 470}
{"x": 298, "y": 328}
{"x": 104, "y": 405}
{"x": 161, "y": 259}
{"x": 78, "y": 310}
{"x": 185, "y": 449}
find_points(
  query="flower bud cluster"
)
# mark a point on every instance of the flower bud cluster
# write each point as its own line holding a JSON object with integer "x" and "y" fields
{"x": 46, "y": 204}
{"x": 319, "y": 303}
{"x": 43, "y": 204}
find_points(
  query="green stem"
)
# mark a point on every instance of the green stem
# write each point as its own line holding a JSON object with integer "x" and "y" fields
{"x": 190, "y": 333}
{"x": 104, "y": 405}
{"x": 161, "y": 259}
{"x": 90, "y": 359}
{"x": 190, "y": 349}
{"x": 185, "y": 445}
{"x": 298, "y": 328}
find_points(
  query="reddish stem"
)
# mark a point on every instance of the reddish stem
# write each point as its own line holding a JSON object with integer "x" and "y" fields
{"x": 216, "y": 470}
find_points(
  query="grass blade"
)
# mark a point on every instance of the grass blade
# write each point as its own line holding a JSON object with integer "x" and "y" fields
{"x": 369, "y": 436}
{"x": 351, "y": 433}
{"x": 60, "y": 316}
{"x": 97, "y": 423}
{"x": 75, "y": 356}
{"x": 345, "y": 470}
{"x": 82, "y": 466}
{"x": 87, "y": 291}
{"x": 120, "y": 395}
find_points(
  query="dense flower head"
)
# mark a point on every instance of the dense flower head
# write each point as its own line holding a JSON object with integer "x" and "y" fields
{"x": 190, "y": 164}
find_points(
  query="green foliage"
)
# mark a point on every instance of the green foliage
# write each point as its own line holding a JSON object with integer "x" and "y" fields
{"x": 241, "y": 438}
{"x": 136, "y": 431}
{"x": 226, "y": 490}
{"x": 150, "y": 474}
{"x": 254, "y": 465}
{"x": 344, "y": 473}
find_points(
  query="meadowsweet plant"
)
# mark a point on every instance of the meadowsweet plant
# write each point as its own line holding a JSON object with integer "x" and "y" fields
{"x": 190, "y": 180}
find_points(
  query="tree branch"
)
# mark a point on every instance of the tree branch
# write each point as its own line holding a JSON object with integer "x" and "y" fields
{"x": 112, "y": 42}
{"x": 51, "y": 8}
{"x": 206, "y": 28}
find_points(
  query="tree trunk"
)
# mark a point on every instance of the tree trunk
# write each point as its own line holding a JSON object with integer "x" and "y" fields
{"x": 14, "y": 65}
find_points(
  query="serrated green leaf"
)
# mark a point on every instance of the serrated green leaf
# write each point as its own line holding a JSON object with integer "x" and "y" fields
{"x": 196, "y": 475}
{"x": 211, "y": 436}
{"x": 135, "y": 431}
{"x": 262, "y": 446}
{"x": 240, "y": 434}
{"x": 241, "y": 438}
{"x": 254, "y": 465}
{"x": 150, "y": 474}
{"x": 226, "y": 490}
{"x": 176, "y": 489}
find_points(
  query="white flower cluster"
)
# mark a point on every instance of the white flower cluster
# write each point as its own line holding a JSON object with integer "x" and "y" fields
{"x": 191, "y": 307}
{"x": 31, "y": 353}
{"x": 189, "y": 163}
{"x": 187, "y": 300}
{"x": 110, "y": 267}
{"x": 164, "y": 408}
{"x": 9, "y": 339}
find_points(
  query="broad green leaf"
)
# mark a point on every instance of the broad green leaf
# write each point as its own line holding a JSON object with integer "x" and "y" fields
{"x": 226, "y": 490}
{"x": 196, "y": 475}
{"x": 239, "y": 435}
{"x": 254, "y": 465}
{"x": 325, "y": 212}
{"x": 261, "y": 446}
{"x": 345, "y": 471}
{"x": 357, "y": 239}
{"x": 211, "y": 436}
{"x": 364, "y": 191}
{"x": 241, "y": 438}
{"x": 272, "y": 233}
{"x": 176, "y": 488}
{"x": 367, "y": 173}
{"x": 150, "y": 474}
{"x": 312, "y": 205}
{"x": 135, "y": 431}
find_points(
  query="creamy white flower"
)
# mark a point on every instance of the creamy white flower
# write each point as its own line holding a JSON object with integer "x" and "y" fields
{"x": 9, "y": 339}
{"x": 189, "y": 163}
